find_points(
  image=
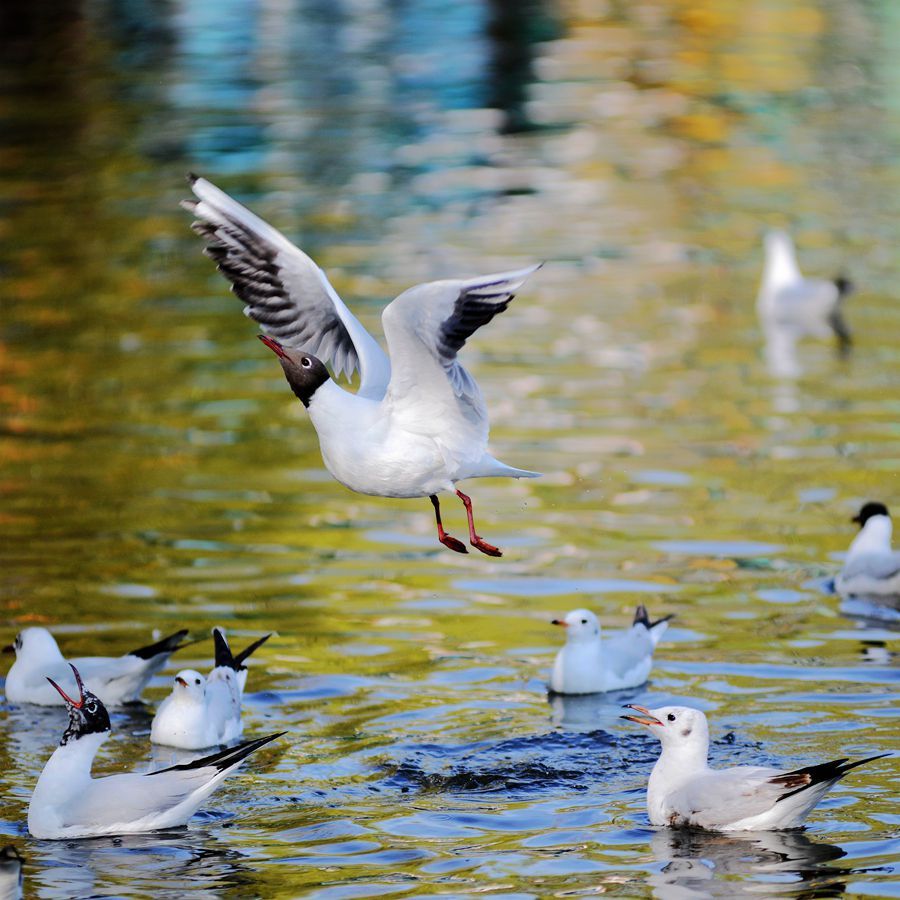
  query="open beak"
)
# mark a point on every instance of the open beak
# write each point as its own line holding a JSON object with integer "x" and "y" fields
{"x": 65, "y": 696}
{"x": 561, "y": 622}
{"x": 649, "y": 720}
{"x": 273, "y": 345}
{"x": 180, "y": 680}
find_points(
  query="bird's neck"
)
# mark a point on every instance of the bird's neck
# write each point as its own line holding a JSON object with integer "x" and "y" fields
{"x": 678, "y": 764}
{"x": 331, "y": 408}
{"x": 781, "y": 264}
{"x": 874, "y": 537}
{"x": 69, "y": 767}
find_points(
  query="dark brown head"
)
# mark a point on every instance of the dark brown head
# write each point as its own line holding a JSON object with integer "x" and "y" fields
{"x": 868, "y": 510}
{"x": 305, "y": 374}
{"x": 87, "y": 714}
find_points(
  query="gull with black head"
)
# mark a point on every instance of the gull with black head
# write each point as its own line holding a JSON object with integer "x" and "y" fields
{"x": 68, "y": 802}
{"x": 872, "y": 568}
{"x": 418, "y": 423}
{"x": 684, "y": 791}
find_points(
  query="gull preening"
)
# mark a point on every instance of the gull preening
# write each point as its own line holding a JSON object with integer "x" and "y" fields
{"x": 589, "y": 663}
{"x": 792, "y": 307}
{"x": 872, "y": 568}
{"x": 418, "y": 423}
{"x": 204, "y": 712}
{"x": 684, "y": 790}
{"x": 115, "y": 679}
{"x": 69, "y": 803}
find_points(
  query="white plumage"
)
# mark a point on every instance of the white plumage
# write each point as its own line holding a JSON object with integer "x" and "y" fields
{"x": 114, "y": 679}
{"x": 684, "y": 790}
{"x": 418, "y": 423}
{"x": 872, "y": 568}
{"x": 589, "y": 663}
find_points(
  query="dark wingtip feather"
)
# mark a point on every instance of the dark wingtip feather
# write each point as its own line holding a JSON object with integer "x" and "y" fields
{"x": 167, "y": 645}
{"x": 806, "y": 777}
{"x": 223, "y": 759}
{"x": 642, "y": 617}
{"x": 249, "y": 650}
{"x": 224, "y": 656}
{"x": 192, "y": 178}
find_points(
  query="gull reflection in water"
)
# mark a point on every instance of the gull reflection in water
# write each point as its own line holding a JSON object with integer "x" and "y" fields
{"x": 698, "y": 864}
{"x": 587, "y": 712}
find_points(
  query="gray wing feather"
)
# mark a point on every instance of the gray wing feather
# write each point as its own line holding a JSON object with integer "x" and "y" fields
{"x": 440, "y": 316}
{"x": 874, "y": 565}
{"x": 283, "y": 289}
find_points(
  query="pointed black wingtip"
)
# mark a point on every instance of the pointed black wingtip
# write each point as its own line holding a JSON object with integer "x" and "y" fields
{"x": 223, "y": 759}
{"x": 642, "y": 617}
{"x": 192, "y": 178}
{"x": 249, "y": 650}
{"x": 167, "y": 645}
{"x": 224, "y": 656}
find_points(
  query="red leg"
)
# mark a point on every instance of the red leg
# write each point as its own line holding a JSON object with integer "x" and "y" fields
{"x": 474, "y": 540}
{"x": 443, "y": 537}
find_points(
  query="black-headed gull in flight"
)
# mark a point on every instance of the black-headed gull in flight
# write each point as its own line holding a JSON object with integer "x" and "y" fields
{"x": 115, "y": 679}
{"x": 792, "y": 307}
{"x": 871, "y": 569}
{"x": 68, "y": 803}
{"x": 418, "y": 423}
{"x": 684, "y": 790}
{"x": 204, "y": 712}
{"x": 589, "y": 664}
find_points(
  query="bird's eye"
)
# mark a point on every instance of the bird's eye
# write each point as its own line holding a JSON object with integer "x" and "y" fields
{"x": 306, "y": 362}
{"x": 584, "y": 621}
{"x": 196, "y": 681}
{"x": 671, "y": 717}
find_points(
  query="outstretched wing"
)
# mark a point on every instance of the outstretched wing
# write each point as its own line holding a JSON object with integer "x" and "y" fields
{"x": 426, "y": 326}
{"x": 285, "y": 291}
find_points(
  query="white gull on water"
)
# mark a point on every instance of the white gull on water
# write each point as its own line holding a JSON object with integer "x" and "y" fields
{"x": 69, "y": 803}
{"x": 872, "y": 568}
{"x": 589, "y": 663}
{"x": 684, "y": 790}
{"x": 203, "y": 712}
{"x": 418, "y": 423}
{"x": 115, "y": 679}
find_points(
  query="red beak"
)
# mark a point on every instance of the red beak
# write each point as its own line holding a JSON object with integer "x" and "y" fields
{"x": 65, "y": 696}
{"x": 561, "y": 622}
{"x": 273, "y": 345}
{"x": 180, "y": 680}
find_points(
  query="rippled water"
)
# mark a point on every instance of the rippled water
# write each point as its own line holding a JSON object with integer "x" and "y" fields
{"x": 156, "y": 472}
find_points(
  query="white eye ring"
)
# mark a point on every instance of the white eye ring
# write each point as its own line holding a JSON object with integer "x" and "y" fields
{"x": 306, "y": 362}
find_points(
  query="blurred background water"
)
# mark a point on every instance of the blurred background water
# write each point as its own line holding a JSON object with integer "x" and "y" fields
{"x": 157, "y": 473}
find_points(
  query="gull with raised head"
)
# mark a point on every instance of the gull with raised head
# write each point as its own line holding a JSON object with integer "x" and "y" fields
{"x": 684, "y": 790}
{"x": 588, "y": 663}
{"x": 115, "y": 679}
{"x": 418, "y": 423}
{"x": 69, "y": 803}
{"x": 203, "y": 712}
{"x": 872, "y": 568}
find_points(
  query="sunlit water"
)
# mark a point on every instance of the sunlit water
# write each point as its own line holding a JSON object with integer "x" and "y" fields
{"x": 157, "y": 473}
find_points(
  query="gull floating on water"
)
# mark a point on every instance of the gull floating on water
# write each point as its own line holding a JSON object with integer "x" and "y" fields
{"x": 68, "y": 803}
{"x": 588, "y": 664}
{"x": 203, "y": 712}
{"x": 684, "y": 790}
{"x": 115, "y": 679}
{"x": 792, "y": 307}
{"x": 418, "y": 423}
{"x": 871, "y": 569}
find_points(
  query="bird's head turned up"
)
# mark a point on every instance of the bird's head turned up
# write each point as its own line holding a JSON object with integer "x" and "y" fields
{"x": 87, "y": 715}
{"x": 305, "y": 374}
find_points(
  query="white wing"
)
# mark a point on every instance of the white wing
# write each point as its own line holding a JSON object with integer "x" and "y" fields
{"x": 718, "y": 798}
{"x": 285, "y": 291}
{"x": 426, "y": 326}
